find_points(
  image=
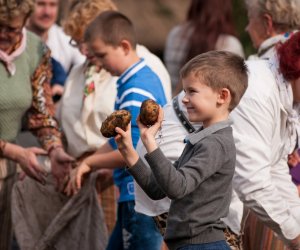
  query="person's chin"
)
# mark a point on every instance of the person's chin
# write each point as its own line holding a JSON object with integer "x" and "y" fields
{"x": 5, "y": 44}
{"x": 191, "y": 117}
{"x": 45, "y": 24}
{"x": 113, "y": 73}
{"x": 195, "y": 117}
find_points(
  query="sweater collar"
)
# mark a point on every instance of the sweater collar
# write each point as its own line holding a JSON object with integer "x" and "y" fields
{"x": 200, "y": 134}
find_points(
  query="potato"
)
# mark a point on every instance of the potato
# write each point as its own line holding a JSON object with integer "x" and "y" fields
{"x": 149, "y": 112}
{"x": 119, "y": 118}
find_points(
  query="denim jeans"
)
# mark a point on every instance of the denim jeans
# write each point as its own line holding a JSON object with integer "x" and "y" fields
{"x": 217, "y": 245}
{"x": 134, "y": 231}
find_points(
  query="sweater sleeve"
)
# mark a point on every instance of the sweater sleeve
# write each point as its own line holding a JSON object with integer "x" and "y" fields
{"x": 179, "y": 182}
{"x": 41, "y": 119}
{"x": 144, "y": 177}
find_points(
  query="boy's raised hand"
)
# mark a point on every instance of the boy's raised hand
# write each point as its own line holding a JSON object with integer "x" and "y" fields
{"x": 123, "y": 139}
{"x": 125, "y": 146}
{"x": 147, "y": 133}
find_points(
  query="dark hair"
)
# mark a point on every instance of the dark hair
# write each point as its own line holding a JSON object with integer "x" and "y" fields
{"x": 112, "y": 27}
{"x": 208, "y": 19}
{"x": 289, "y": 57}
{"x": 220, "y": 69}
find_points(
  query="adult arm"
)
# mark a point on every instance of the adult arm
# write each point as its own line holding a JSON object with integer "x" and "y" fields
{"x": 26, "y": 157}
{"x": 41, "y": 119}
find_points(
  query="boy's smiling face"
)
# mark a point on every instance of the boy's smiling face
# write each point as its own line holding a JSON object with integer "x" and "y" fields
{"x": 111, "y": 58}
{"x": 200, "y": 100}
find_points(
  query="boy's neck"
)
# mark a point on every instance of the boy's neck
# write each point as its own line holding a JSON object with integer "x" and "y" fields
{"x": 132, "y": 59}
{"x": 218, "y": 118}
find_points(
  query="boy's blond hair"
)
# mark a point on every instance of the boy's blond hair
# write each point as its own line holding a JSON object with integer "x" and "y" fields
{"x": 220, "y": 69}
{"x": 112, "y": 27}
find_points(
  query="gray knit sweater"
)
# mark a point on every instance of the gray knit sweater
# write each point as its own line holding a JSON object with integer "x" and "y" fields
{"x": 199, "y": 184}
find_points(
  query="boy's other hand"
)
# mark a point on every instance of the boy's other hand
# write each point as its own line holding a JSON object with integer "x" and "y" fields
{"x": 75, "y": 178}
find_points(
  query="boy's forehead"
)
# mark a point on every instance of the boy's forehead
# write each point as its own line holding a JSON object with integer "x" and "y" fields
{"x": 97, "y": 43}
{"x": 194, "y": 76}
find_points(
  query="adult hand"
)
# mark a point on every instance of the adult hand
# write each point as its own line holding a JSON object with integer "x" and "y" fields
{"x": 293, "y": 159}
{"x": 76, "y": 176}
{"x": 295, "y": 244}
{"x": 27, "y": 158}
{"x": 61, "y": 164}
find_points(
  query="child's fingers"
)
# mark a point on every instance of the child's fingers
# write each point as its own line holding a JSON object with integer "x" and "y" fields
{"x": 128, "y": 128}
{"x": 157, "y": 124}
{"x": 120, "y": 131}
{"x": 160, "y": 114}
{"x": 139, "y": 123}
{"x": 78, "y": 179}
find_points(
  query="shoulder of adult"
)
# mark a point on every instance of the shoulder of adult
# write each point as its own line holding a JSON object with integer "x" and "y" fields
{"x": 35, "y": 49}
{"x": 261, "y": 81}
{"x": 59, "y": 40}
{"x": 230, "y": 43}
{"x": 34, "y": 41}
{"x": 56, "y": 33}
{"x": 56, "y": 30}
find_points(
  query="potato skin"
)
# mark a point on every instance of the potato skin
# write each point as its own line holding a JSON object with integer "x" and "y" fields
{"x": 149, "y": 112}
{"x": 119, "y": 118}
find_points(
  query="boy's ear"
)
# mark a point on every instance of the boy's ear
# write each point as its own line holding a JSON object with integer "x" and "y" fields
{"x": 224, "y": 96}
{"x": 126, "y": 46}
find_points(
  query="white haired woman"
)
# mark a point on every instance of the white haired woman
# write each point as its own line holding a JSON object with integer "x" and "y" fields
{"x": 271, "y": 22}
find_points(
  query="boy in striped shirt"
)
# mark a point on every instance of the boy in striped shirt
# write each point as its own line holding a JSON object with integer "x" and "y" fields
{"x": 111, "y": 38}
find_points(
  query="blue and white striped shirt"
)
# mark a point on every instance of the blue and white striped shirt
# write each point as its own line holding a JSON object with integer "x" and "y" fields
{"x": 136, "y": 84}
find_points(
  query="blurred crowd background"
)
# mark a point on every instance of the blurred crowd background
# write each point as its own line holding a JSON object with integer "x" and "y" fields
{"x": 153, "y": 19}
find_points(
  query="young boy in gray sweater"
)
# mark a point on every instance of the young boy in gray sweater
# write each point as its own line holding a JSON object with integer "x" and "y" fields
{"x": 199, "y": 182}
